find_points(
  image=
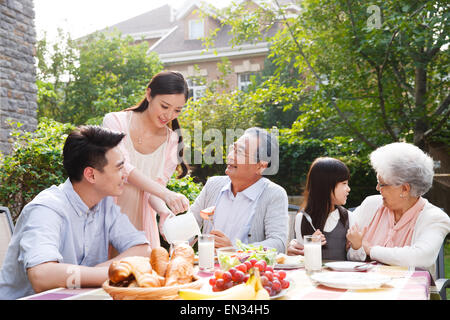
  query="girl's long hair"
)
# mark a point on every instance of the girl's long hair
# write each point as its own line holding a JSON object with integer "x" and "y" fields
{"x": 323, "y": 176}
{"x": 168, "y": 82}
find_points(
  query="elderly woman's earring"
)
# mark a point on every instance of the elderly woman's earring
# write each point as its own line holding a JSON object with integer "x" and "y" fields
{"x": 401, "y": 195}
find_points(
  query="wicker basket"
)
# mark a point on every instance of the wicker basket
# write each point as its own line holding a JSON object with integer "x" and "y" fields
{"x": 160, "y": 293}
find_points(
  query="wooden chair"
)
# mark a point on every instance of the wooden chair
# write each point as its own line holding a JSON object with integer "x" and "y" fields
{"x": 6, "y": 231}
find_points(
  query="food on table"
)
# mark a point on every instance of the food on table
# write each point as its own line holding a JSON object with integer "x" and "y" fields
{"x": 138, "y": 272}
{"x": 252, "y": 289}
{"x": 179, "y": 271}
{"x": 285, "y": 259}
{"x": 183, "y": 250}
{"x": 272, "y": 281}
{"x": 229, "y": 257}
{"x": 207, "y": 213}
{"x": 159, "y": 259}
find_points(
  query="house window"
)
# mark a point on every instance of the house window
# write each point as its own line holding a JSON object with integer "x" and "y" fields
{"x": 196, "y": 89}
{"x": 196, "y": 29}
{"x": 244, "y": 80}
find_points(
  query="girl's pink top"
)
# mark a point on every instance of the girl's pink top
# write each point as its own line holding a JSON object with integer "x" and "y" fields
{"x": 159, "y": 166}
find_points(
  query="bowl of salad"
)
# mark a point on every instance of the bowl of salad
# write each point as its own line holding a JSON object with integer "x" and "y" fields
{"x": 232, "y": 256}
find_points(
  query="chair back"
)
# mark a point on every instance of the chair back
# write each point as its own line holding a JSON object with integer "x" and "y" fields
{"x": 440, "y": 262}
{"x": 292, "y": 210}
{"x": 6, "y": 231}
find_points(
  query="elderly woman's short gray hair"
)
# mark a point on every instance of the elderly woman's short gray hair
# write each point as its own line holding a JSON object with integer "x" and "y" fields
{"x": 267, "y": 148}
{"x": 398, "y": 163}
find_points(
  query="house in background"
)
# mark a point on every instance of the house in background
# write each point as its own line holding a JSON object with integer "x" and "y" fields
{"x": 176, "y": 37}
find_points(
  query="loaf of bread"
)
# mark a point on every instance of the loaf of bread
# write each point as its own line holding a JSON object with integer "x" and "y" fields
{"x": 179, "y": 271}
{"x": 159, "y": 259}
{"x": 130, "y": 266}
{"x": 156, "y": 271}
{"x": 146, "y": 280}
{"x": 185, "y": 251}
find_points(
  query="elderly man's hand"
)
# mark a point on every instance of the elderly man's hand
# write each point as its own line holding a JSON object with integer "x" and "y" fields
{"x": 295, "y": 248}
{"x": 220, "y": 239}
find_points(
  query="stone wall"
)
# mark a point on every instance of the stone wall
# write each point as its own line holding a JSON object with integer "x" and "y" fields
{"x": 17, "y": 67}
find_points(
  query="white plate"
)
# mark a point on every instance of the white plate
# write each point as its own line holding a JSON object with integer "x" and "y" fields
{"x": 290, "y": 262}
{"x": 289, "y": 266}
{"x": 282, "y": 293}
{"x": 350, "y": 280}
{"x": 345, "y": 265}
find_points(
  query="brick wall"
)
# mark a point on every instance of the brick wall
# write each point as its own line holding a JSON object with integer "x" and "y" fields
{"x": 17, "y": 67}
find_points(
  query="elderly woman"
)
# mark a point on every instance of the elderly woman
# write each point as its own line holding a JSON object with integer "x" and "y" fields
{"x": 399, "y": 227}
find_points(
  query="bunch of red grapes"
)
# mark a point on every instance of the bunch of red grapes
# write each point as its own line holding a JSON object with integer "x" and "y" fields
{"x": 272, "y": 281}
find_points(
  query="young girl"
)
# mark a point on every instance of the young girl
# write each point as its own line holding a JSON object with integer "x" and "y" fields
{"x": 151, "y": 148}
{"x": 326, "y": 191}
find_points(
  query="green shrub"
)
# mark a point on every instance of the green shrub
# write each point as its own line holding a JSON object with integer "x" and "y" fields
{"x": 34, "y": 164}
{"x": 186, "y": 186}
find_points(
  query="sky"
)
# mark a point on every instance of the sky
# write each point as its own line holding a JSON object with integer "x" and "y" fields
{"x": 81, "y": 17}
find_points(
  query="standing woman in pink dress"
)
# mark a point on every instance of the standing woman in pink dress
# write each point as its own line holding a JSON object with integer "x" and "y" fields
{"x": 153, "y": 148}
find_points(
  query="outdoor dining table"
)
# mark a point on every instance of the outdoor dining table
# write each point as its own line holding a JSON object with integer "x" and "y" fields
{"x": 406, "y": 284}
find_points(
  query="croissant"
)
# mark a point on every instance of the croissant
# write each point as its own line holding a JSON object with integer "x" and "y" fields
{"x": 185, "y": 251}
{"x": 118, "y": 271}
{"x": 123, "y": 269}
{"x": 159, "y": 260}
{"x": 179, "y": 271}
{"x": 146, "y": 280}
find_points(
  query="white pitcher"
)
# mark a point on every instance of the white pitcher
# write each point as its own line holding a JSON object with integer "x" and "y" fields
{"x": 181, "y": 227}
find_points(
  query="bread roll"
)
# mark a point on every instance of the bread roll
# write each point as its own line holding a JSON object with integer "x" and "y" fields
{"x": 179, "y": 271}
{"x": 125, "y": 268}
{"x": 147, "y": 280}
{"x": 185, "y": 251}
{"x": 159, "y": 260}
{"x": 118, "y": 271}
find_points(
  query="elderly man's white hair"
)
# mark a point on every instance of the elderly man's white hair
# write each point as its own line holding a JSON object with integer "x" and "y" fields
{"x": 398, "y": 163}
{"x": 267, "y": 148}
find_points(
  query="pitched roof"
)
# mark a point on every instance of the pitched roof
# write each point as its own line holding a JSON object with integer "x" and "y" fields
{"x": 152, "y": 24}
{"x": 174, "y": 45}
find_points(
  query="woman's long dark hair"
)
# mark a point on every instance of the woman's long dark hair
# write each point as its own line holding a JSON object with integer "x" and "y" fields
{"x": 168, "y": 82}
{"x": 323, "y": 176}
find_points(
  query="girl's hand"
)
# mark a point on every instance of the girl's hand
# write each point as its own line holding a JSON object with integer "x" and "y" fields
{"x": 319, "y": 233}
{"x": 177, "y": 202}
{"x": 355, "y": 236}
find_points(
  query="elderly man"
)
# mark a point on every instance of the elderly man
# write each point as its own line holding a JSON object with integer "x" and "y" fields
{"x": 62, "y": 236}
{"x": 248, "y": 206}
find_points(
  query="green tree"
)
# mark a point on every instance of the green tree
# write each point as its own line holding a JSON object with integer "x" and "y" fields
{"x": 87, "y": 78}
{"x": 34, "y": 164}
{"x": 376, "y": 84}
{"x": 56, "y": 63}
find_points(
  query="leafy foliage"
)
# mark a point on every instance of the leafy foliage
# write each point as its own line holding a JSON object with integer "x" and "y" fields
{"x": 186, "y": 186}
{"x": 86, "y": 79}
{"x": 34, "y": 164}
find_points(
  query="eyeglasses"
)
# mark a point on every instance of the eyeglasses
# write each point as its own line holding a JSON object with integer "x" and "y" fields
{"x": 240, "y": 150}
{"x": 382, "y": 185}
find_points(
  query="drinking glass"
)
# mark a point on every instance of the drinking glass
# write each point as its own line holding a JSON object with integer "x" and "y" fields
{"x": 206, "y": 253}
{"x": 312, "y": 253}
